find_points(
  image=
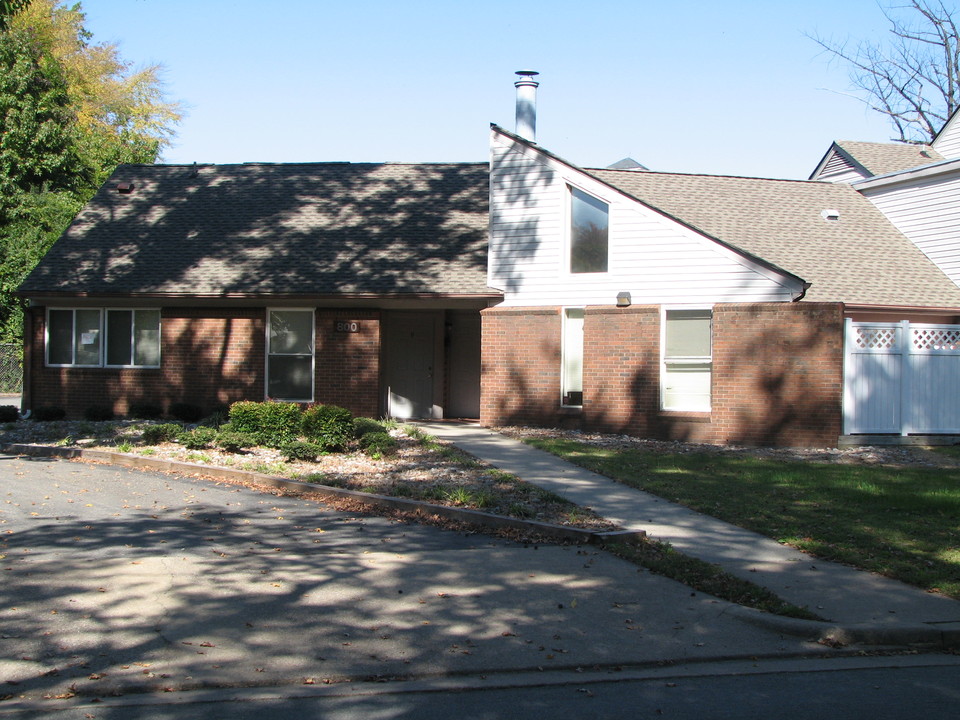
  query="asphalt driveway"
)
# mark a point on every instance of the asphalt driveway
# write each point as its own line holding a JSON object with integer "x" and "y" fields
{"x": 118, "y": 581}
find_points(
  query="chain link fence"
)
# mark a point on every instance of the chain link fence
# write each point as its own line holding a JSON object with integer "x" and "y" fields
{"x": 11, "y": 368}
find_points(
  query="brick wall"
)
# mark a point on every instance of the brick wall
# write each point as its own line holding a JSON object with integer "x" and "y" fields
{"x": 348, "y": 363}
{"x": 777, "y": 373}
{"x": 209, "y": 357}
{"x": 212, "y": 357}
{"x": 520, "y": 366}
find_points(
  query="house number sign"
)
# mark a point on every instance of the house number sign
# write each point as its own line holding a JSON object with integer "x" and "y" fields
{"x": 347, "y": 326}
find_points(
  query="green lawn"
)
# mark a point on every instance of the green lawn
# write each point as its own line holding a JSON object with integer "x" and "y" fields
{"x": 901, "y": 522}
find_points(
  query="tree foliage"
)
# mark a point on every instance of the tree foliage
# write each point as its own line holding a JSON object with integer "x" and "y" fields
{"x": 70, "y": 112}
{"x": 914, "y": 77}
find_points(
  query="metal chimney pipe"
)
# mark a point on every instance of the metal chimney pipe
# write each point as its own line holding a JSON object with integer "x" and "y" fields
{"x": 527, "y": 104}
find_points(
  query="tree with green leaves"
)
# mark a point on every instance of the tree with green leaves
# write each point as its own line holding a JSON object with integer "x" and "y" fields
{"x": 914, "y": 77}
{"x": 70, "y": 112}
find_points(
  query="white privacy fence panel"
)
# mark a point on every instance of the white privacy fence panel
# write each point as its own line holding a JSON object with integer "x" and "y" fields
{"x": 901, "y": 378}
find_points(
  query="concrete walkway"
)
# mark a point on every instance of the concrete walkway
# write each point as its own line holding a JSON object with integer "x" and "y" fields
{"x": 839, "y": 593}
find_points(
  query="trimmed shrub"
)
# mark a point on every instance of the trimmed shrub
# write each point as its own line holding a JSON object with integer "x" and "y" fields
{"x": 300, "y": 450}
{"x": 378, "y": 443}
{"x": 198, "y": 438}
{"x": 98, "y": 413}
{"x": 186, "y": 412}
{"x": 328, "y": 425}
{"x": 362, "y": 426}
{"x": 271, "y": 423}
{"x": 9, "y": 413}
{"x": 164, "y": 432}
{"x": 48, "y": 414}
{"x": 233, "y": 441}
{"x": 145, "y": 411}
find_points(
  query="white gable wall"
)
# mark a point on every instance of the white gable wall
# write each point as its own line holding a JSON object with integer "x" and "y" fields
{"x": 947, "y": 142}
{"x": 654, "y": 258}
{"x": 927, "y": 211}
{"x": 836, "y": 168}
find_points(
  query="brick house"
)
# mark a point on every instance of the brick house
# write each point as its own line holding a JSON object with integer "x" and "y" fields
{"x": 530, "y": 290}
{"x": 353, "y": 284}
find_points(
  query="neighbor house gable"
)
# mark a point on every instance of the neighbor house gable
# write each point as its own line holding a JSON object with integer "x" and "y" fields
{"x": 652, "y": 256}
{"x": 849, "y": 161}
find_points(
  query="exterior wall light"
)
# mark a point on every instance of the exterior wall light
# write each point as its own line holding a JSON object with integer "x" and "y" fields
{"x": 623, "y": 299}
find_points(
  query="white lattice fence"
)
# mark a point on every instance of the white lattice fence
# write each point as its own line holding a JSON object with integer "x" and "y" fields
{"x": 902, "y": 378}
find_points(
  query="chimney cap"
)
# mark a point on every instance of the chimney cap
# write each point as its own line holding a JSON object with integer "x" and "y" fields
{"x": 526, "y": 72}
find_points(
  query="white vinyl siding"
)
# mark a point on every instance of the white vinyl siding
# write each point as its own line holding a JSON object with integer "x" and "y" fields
{"x": 290, "y": 345}
{"x": 948, "y": 141}
{"x": 571, "y": 379}
{"x": 687, "y": 360}
{"x": 656, "y": 259}
{"x": 97, "y": 337}
{"x": 927, "y": 211}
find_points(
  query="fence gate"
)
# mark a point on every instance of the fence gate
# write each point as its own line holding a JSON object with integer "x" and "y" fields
{"x": 901, "y": 378}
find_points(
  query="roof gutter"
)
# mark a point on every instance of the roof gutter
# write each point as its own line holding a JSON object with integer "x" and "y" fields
{"x": 903, "y": 176}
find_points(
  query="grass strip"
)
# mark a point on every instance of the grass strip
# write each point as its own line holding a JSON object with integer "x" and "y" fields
{"x": 662, "y": 559}
{"x": 899, "y": 521}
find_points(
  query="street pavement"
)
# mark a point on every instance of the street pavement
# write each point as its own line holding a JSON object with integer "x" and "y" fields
{"x": 122, "y": 581}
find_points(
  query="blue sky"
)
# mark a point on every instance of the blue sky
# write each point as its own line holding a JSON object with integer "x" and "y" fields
{"x": 716, "y": 87}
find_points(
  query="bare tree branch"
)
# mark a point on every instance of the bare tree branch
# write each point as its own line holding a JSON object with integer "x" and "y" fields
{"x": 914, "y": 79}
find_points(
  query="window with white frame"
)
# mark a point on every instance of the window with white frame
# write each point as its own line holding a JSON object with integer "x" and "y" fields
{"x": 687, "y": 360}
{"x": 571, "y": 377}
{"x": 290, "y": 344}
{"x": 589, "y": 230}
{"x": 99, "y": 337}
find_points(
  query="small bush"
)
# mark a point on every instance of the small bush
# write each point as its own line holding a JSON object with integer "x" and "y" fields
{"x": 378, "y": 443}
{"x": 98, "y": 413}
{"x": 9, "y": 413}
{"x": 186, "y": 412}
{"x": 145, "y": 411}
{"x": 48, "y": 414}
{"x": 271, "y": 423}
{"x": 329, "y": 425}
{"x": 362, "y": 426}
{"x": 198, "y": 438}
{"x": 300, "y": 450}
{"x": 233, "y": 441}
{"x": 164, "y": 432}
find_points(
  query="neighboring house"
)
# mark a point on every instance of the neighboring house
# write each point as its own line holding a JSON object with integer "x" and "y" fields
{"x": 353, "y": 284}
{"x": 693, "y": 307}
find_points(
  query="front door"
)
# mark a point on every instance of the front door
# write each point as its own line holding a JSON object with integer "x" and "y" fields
{"x": 409, "y": 369}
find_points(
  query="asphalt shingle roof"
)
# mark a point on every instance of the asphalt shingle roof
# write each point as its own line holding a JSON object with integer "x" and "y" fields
{"x": 883, "y": 158}
{"x": 288, "y": 229}
{"x": 859, "y": 259}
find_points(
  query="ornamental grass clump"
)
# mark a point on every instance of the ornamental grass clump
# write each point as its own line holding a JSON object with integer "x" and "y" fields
{"x": 329, "y": 426}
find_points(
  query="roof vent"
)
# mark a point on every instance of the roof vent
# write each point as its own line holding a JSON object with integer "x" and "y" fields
{"x": 830, "y": 215}
{"x": 125, "y": 188}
